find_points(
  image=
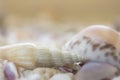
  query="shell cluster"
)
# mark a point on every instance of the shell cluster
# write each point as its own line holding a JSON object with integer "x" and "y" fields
{"x": 93, "y": 54}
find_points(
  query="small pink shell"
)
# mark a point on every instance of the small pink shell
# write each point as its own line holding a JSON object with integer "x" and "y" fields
{"x": 10, "y": 71}
{"x": 96, "y": 71}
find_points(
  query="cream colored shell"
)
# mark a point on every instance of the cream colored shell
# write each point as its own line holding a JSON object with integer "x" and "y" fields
{"x": 96, "y": 43}
{"x": 29, "y": 56}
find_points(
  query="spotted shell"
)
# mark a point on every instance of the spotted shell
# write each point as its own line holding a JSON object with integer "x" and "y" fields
{"x": 96, "y": 43}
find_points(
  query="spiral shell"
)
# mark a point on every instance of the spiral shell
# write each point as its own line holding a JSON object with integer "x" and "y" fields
{"x": 30, "y": 56}
{"x": 96, "y": 43}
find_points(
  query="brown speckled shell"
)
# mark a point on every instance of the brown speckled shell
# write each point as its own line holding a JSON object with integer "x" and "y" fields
{"x": 96, "y": 43}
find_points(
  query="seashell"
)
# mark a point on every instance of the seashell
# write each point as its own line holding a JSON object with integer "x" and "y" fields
{"x": 10, "y": 71}
{"x": 116, "y": 78}
{"x": 96, "y": 71}
{"x": 26, "y": 73}
{"x": 30, "y": 56}
{"x": 45, "y": 73}
{"x": 30, "y": 77}
{"x": 96, "y": 43}
{"x": 62, "y": 76}
{"x": 39, "y": 74}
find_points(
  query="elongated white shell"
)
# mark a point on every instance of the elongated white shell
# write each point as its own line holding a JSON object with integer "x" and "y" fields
{"x": 96, "y": 43}
{"x": 30, "y": 56}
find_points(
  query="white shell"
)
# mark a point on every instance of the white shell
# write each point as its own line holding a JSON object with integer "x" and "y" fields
{"x": 29, "y": 56}
{"x": 116, "y": 78}
{"x": 63, "y": 76}
{"x": 96, "y": 43}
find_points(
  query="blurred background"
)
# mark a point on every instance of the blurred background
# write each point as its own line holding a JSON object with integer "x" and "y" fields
{"x": 53, "y": 21}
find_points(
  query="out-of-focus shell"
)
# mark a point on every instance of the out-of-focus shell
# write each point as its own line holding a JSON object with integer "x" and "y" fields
{"x": 116, "y": 78}
{"x": 63, "y": 76}
{"x": 96, "y": 71}
{"x": 10, "y": 71}
{"x": 45, "y": 73}
{"x": 39, "y": 74}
